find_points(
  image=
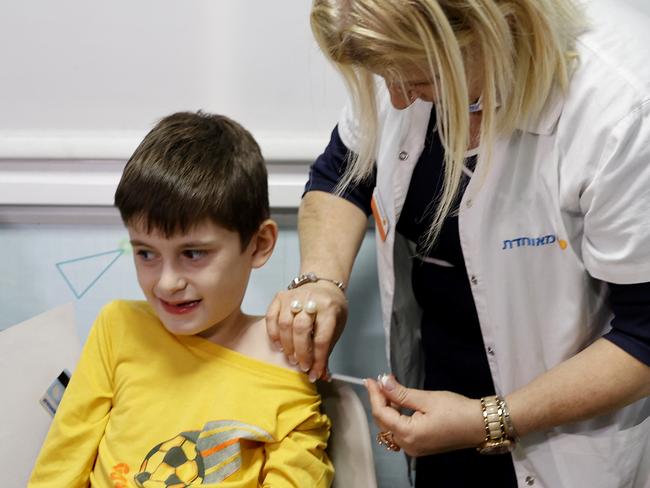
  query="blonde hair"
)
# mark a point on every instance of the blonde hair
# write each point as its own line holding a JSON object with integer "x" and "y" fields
{"x": 520, "y": 48}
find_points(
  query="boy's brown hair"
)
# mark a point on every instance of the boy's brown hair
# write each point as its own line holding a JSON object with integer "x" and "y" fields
{"x": 191, "y": 167}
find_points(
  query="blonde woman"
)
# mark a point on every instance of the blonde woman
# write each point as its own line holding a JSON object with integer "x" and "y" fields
{"x": 503, "y": 148}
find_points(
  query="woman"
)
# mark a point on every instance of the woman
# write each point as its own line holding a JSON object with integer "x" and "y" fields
{"x": 503, "y": 148}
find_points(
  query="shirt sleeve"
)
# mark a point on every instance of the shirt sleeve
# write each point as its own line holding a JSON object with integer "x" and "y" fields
{"x": 299, "y": 459}
{"x": 616, "y": 204}
{"x": 631, "y": 323}
{"x": 70, "y": 448}
{"x": 326, "y": 172}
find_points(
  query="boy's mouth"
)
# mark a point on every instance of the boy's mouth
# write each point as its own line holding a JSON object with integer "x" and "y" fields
{"x": 180, "y": 307}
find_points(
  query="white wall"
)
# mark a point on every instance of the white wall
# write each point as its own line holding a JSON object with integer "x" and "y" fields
{"x": 642, "y": 4}
{"x": 85, "y": 79}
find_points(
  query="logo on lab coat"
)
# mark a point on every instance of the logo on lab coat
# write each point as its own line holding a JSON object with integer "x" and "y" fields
{"x": 534, "y": 242}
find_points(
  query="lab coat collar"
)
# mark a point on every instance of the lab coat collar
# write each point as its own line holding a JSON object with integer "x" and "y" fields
{"x": 544, "y": 123}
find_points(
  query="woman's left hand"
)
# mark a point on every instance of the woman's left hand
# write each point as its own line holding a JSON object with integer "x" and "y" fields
{"x": 442, "y": 420}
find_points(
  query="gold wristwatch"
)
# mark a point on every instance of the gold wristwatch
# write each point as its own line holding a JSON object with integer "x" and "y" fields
{"x": 500, "y": 435}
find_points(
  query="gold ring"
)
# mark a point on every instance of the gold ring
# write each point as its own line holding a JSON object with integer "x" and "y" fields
{"x": 385, "y": 438}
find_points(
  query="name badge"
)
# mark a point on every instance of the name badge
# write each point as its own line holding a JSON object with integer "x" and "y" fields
{"x": 378, "y": 212}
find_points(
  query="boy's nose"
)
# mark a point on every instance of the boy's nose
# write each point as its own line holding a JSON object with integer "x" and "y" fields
{"x": 170, "y": 281}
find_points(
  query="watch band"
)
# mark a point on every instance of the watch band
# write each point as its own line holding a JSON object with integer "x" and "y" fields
{"x": 507, "y": 421}
{"x": 312, "y": 278}
{"x": 497, "y": 438}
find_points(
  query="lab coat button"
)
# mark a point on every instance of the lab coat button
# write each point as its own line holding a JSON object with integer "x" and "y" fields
{"x": 490, "y": 351}
{"x": 468, "y": 204}
{"x": 403, "y": 156}
{"x": 473, "y": 280}
{"x": 530, "y": 480}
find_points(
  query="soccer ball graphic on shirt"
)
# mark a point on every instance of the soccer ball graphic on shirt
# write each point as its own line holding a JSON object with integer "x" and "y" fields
{"x": 209, "y": 455}
{"x": 173, "y": 463}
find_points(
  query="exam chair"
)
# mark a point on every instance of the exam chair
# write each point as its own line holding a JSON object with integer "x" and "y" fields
{"x": 350, "y": 445}
{"x": 32, "y": 354}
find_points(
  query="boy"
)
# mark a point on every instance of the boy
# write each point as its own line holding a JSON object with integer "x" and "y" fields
{"x": 185, "y": 389}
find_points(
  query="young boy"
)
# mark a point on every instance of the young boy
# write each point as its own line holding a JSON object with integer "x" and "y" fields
{"x": 185, "y": 389}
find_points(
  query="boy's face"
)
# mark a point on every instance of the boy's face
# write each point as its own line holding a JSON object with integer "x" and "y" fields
{"x": 194, "y": 281}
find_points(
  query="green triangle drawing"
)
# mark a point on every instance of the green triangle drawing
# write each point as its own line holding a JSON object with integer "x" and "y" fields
{"x": 82, "y": 273}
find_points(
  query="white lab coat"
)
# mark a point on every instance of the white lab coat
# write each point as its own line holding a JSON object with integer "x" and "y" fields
{"x": 563, "y": 206}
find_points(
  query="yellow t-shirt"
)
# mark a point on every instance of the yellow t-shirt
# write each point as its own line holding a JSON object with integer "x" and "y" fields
{"x": 147, "y": 408}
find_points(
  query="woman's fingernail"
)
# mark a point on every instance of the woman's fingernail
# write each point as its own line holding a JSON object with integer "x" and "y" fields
{"x": 293, "y": 360}
{"x": 304, "y": 368}
{"x": 313, "y": 377}
{"x": 387, "y": 382}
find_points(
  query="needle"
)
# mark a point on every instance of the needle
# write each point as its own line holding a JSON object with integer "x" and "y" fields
{"x": 347, "y": 379}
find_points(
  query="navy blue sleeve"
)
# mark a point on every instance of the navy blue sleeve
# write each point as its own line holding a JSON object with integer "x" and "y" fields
{"x": 631, "y": 323}
{"x": 327, "y": 170}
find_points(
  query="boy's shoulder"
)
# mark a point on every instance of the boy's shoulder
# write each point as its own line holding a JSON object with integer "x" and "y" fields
{"x": 118, "y": 314}
{"x": 256, "y": 344}
{"x": 116, "y": 309}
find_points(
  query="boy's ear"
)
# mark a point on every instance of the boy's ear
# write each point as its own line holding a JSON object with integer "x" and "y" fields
{"x": 263, "y": 242}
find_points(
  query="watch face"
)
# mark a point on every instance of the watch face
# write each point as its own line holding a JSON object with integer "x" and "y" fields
{"x": 496, "y": 447}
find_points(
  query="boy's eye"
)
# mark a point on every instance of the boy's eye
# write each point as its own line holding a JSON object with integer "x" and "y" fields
{"x": 144, "y": 254}
{"x": 193, "y": 254}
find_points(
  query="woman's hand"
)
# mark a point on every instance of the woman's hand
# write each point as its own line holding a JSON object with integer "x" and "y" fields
{"x": 331, "y": 230}
{"x": 308, "y": 338}
{"x": 442, "y": 420}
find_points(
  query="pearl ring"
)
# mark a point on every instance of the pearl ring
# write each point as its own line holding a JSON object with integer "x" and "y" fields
{"x": 296, "y": 306}
{"x": 311, "y": 307}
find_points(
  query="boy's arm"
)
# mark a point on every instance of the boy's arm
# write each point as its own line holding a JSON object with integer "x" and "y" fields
{"x": 68, "y": 454}
{"x": 299, "y": 459}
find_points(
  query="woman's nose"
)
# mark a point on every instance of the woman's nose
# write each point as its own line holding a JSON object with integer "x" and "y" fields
{"x": 400, "y": 98}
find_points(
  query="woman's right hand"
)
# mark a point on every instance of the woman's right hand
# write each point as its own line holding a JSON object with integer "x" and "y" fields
{"x": 308, "y": 338}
